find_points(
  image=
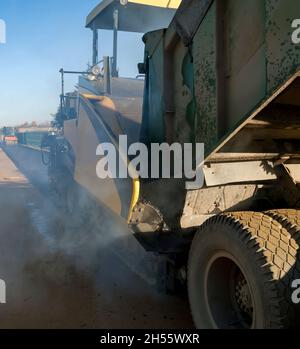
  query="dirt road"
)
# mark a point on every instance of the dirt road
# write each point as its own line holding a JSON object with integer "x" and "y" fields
{"x": 61, "y": 275}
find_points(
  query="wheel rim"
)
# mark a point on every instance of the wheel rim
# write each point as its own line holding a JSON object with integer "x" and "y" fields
{"x": 228, "y": 293}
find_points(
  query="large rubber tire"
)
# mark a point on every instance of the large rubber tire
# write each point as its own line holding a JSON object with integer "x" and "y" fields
{"x": 256, "y": 250}
{"x": 290, "y": 220}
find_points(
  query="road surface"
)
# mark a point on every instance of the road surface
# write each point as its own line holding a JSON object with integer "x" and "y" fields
{"x": 62, "y": 274}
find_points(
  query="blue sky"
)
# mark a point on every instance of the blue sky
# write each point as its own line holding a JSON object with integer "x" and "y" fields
{"x": 43, "y": 36}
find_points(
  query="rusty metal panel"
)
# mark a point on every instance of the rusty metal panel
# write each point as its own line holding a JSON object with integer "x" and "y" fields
{"x": 238, "y": 172}
{"x": 245, "y": 68}
{"x": 182, "y": 94}
{"x": 188, "y": 18}
{"x": 237, "y": 79}
{"x": 246, "y": 88}
{"x": 217, "y": 87}
{"x": 207, "y": 202}
{"x": 205, "y": 79}
{"x": 283, "y": 56}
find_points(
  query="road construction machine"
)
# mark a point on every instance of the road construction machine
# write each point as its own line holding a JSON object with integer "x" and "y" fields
{"x": 226, "y": 74}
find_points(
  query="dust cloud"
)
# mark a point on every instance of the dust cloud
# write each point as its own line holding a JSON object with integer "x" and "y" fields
{"x": 83, "y": 270}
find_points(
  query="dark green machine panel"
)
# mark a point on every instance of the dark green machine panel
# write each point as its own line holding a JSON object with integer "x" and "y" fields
{"x": 238, "y": 53}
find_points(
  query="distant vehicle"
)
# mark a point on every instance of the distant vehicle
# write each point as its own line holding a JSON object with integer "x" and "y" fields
{"x": 9, "y": 135}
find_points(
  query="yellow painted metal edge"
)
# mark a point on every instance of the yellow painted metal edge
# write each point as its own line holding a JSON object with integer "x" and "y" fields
{"x": 134, "y": 198}
{"x": 173, "y": 4}
{"x": 92, "y": 97}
